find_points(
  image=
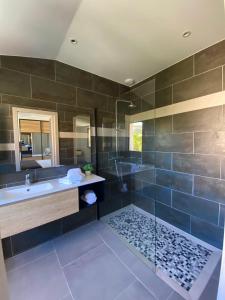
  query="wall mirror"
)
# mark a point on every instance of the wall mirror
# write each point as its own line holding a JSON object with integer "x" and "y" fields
{"x": 82, "y": 141}
{"x": 36, "y": 138}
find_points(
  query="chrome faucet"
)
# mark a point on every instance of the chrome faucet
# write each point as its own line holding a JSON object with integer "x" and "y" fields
{"x": 27, "y": 180}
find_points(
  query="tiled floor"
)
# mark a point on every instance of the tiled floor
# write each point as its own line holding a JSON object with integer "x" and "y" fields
{"x": 88, "y": 263}
{"x": 175, "y": 254}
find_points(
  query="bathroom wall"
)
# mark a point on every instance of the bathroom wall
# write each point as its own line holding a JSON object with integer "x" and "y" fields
{"x": 51, "y": 85}
{"x": 54, "y": 86}
{"x": 187, "y": 149}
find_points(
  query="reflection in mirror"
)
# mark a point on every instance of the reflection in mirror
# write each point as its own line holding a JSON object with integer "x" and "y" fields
{"x": 36, "y": 142}
{"x": 82, "y": 142}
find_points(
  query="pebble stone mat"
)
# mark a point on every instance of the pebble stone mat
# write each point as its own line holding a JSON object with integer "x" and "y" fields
{"x": 176, "y": 255}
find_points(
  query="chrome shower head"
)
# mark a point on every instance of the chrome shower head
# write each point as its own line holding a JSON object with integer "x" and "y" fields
{"x": 132, "y": 105}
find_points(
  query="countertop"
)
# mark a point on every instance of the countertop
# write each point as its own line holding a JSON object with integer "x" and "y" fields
{"x": 8, "y": 197}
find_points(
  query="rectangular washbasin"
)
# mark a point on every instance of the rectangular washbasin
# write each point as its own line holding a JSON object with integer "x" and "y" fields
{"x": 33, "y": 189}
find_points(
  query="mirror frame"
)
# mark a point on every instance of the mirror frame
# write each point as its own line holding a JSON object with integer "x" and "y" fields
{"x": 53, "y": 118}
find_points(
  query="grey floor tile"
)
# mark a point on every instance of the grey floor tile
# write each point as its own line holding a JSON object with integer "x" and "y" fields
{"x": 135, "y": 291}
{"x": 97, "y": 275}
{"x": 68, "y": 297}
{"x": 154, "y": 284}
{"x": 72, "y": 245}
{"x": 28, "y": 256}
{"x": 113, "y": 241}
{"x": 210, "y": 292}
{"x": 42, "y": 279}
{"x": 175, "y": 296}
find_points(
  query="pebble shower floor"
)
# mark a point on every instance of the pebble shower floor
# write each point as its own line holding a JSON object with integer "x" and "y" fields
{"x": 179, "y": 257}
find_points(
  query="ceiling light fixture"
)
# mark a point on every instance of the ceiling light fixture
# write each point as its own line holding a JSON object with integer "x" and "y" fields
{"x": 129, "y": 81}
{"x": 73, "y": 41}
{"x": 186, "y": 34}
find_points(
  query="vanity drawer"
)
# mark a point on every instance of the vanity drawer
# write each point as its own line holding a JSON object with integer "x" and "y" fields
{"x": 25, "y": 215}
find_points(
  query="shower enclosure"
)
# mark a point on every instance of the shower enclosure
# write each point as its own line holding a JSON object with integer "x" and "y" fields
{"x": 148, "y": 204}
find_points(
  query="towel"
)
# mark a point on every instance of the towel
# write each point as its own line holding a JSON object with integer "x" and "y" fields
{"x": 89, "y": 197}
{"x": 73, "y": 176}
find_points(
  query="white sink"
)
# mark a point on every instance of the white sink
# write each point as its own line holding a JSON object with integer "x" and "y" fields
{"x": 31, "y": 190}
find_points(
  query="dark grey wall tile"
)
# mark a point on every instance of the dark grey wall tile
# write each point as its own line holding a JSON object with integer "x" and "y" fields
{"x": 158, "y": 193}
{"x": 222, "y": 215}
{"x": 66, "y": 126}
{"x": 74, "y": 76}
{"x": 163, "y": 97}
{"x": 199, "y": 120}
{"x": 4, "y": 109}
{"x": 210, "y": 188}
{"x": 14, "y": 83}
{"x": 223, "y": 167}
{"x": 143, "y": 202}
{"x": 173, "y": 216}
{"x": 162, "y": 160}
{"x": 210, "y": 58}
{"x": 6, "y": 136}
{"x": 148, "y": 143}
{"x": 163, "y": 125}
{"x": 146, "y": 88}
{"x": 197, "y": 86}
{"x": 207, "y": 232}
{"x": 105, "y": 86}
{"x": 209, "y": 142}
{"x": 178, "y": 181}
{"x": 175, "y": 73}
{"x": 148, "y": 127}
{"x": 52, "y": 91}
{"x": 147, "y": 176}
{"x": 148, "y": 157}
{"x": 91, "y": 100}
{"x": 204, "y": 209}
{"x": 148, "y": 102}
{"x": 27, "y": 102}
{"x": 173, "y": 143}
{"x": 205, "y": 165}
{"x": 36, "y": 66}
{"x": 6, "y": 123}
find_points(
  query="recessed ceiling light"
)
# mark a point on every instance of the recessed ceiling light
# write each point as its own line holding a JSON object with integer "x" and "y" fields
{"x": 129, "y": 81}
{"x": 186, "y": 34}
{"x": 73, "y": 41}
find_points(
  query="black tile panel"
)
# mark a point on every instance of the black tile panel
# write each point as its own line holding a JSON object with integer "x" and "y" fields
{"x": 198, "y": 207}
{"x": 174, "y": 180}
{"x": 158, "y": 193}
{"x": 205, "y": 165}
{"x": 197, "y": 86}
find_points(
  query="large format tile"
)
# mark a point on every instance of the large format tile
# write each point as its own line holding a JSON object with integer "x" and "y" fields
{"x": 205, "y": 165}
{"x": 210, "y": 188}
{"x": 91, "y": 99}
{"x": 28, "y": 256}
{"x": 74, "y": 76}
{"x": 204, "y": 209}
{"x": 41, "y": 280}
{"x": 210, "y": 58}
{"x": 135, "y": 291}
{"x": 14, "y": 83}
{"x": 163, "y": 97}
{"x": 173, "y": 216}
{"x": 175, "y": 73}
{"x": 163, "y": 125}
{"x": 174, "y": 180}
{"x": 197, "y": 86}
{"x": 52, "y": 91}
{"x": 200, "y": 120}
{"x": 172, "y": 143}
{"x": 36, "y": 66}
{"x": 72, "y": 245}
{"x": 207, "y": 232}
{"x": 159, "y": 289}
{"x": 98, "y": 268}
{"x": 209, "y": 142}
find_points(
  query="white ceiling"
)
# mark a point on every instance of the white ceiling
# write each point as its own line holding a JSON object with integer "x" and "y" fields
{"x": 118, "y": 39}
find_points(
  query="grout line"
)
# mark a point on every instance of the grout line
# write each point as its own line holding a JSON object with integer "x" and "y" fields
{"x": 137, "y": 278}
{"x": 63, "y": 274}
{"x": 126, "y": 288}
